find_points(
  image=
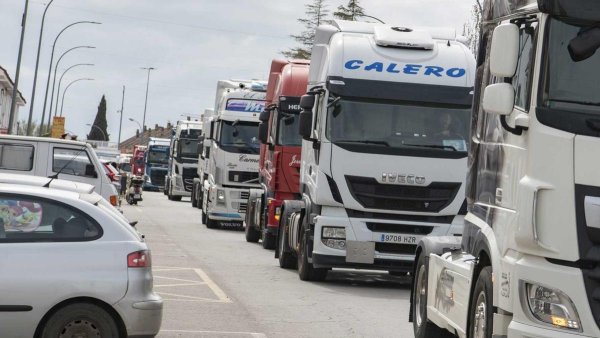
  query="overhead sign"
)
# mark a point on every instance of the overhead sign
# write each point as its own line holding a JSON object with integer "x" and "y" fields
{"x": 243, "y": 105}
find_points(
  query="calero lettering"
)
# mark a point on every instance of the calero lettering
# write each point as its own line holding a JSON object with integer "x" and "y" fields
{"x": 408, "y": 69}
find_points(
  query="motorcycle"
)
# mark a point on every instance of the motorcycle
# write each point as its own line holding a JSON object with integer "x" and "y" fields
{"x": 134, "y": 191}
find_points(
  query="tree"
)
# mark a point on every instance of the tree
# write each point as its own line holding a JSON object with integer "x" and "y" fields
{"x": 22, "y": 128}
{"x": 98, "y": 130}
{"x": 316, "y": 14}
{"x": 352, "y": 12}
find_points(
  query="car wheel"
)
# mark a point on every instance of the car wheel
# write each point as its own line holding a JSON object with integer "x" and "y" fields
{"x": 80, "y": 320}
{"x": 306, "y": 271}
{"x": 268, "y": 240}
{"x": 481, "y": 312}
{"x": 286, "y": 259}
{"x": 422, "y": 327}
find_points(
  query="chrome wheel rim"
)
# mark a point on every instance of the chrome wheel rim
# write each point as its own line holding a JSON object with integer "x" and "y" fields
{"x": 480, "y": 316}
{"x": 421, "y": 297}
{"x": 80, "y": 328}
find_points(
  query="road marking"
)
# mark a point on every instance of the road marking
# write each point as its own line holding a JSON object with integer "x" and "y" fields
{"x": 189, "y": 298}
{"x": 179, "y": 279}
{"x": 181, "y": 284}
{"x": 213, "y": 286}
{"x": 253, "y": 334}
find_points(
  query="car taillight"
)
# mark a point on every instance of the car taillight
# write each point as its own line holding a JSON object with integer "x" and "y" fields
{"x": 114, "y": 201}
{"x": 139, "y": 259}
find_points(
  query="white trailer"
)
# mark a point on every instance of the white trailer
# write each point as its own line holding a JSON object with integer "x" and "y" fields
{"x": 384, "y": 156}
{"x": 231, "y": 161}
{"x": 528, "y": 262}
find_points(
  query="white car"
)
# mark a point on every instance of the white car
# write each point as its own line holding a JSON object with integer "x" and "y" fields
{"x": 71, "y": 266}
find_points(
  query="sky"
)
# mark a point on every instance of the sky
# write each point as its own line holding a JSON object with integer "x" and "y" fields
{"x": 191, "y": 43}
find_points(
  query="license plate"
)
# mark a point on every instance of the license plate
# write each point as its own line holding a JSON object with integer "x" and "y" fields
{"x": 397, "y": 238}
{"x": 136, "y": 196}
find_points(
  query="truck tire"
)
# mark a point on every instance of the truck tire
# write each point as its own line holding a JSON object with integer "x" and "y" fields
{"x": 211, "y": 223}
{"x": 481, "y": 312}
{"x": 286, "y": 258}
{"x": 175, "y": 198}
{"x": 193, "y": 198}
{"x": 252, "y": 235}
{"x": 204, "y": 218}
{"x": 422, "y": 327}
{"x": 80, "y": 319}
{"x": 268, "y": 240}
{"x": 199, "y": 197}
{"x": 306, "y": 271}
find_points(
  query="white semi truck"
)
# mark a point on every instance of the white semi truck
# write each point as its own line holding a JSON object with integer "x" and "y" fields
{"x": 183, "y": 159}
{"x": 204, "y": 154}
{"x": 232, "y": 160}
{"x": 384, "y": 157}
{"x": 528, "y": 263}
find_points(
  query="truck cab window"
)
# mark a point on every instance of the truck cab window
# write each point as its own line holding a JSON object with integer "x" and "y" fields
{"x": 522, "y": 79}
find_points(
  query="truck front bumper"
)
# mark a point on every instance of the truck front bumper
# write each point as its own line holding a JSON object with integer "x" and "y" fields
{"x": 232, "y": 208}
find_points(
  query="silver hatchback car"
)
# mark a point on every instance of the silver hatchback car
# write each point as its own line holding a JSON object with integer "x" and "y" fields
{"x": 70, "y": 267}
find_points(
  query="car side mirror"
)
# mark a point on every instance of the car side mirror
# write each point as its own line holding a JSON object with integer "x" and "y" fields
{"x": 504, "y": 54}
{"x": 305, "y": 124}
{"x": 499, "y": 99}
{"x": 307, "y": 102}
{"x": 585, "y": 44}
{"x": 263, "y": 132}
{"x": 90, "y": 171}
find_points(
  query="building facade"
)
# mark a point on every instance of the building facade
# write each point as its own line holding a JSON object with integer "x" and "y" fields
{"x": 6, "y": 89}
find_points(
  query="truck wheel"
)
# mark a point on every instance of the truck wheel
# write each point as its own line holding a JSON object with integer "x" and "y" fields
{"x": 306, "y": 271}
{"x": 199, "y": 199}
{"x": 481, "y": 312}
{"x": 422, "y": 327}
{"x": 194, "y": 200}
{"x": 80, "y": 320}
{"x": 286, "y": 259}
{"x": 204, "y": 218}
{"x": 176, "y": 198}
{"x": 211, "y": 223}
{"x": 268, "y": 240}
{"x": 252, "y": 235}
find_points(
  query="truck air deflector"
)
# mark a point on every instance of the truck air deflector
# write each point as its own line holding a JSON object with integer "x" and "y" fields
{"x": 398, "y": 91}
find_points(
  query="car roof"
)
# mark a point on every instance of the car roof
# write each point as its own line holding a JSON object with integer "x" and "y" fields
{"x": 37, "y": 191}
{"x": 40, "y": 181}
{"x": 43, "y": 139}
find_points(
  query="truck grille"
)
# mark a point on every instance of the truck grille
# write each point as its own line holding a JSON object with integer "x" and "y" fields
{"x": 157, "y": 177}
{"x": 243, "y": 176}
{"x": 393, "y": 248}
{"x": 188, "y": 178}
{"x": 242, "y": 208}
{"x": 400, "y": 228}
{"x": 244, "y": 195}
{"x": 374, "y": 195}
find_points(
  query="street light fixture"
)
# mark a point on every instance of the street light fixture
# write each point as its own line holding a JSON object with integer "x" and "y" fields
{"x": 66, "y": 89}
{"x": 102, "y": 131}
{"x": 35, "y": 74}
{"x": 60, "y": 82}
{"x": 136, "y": 121}
{"x": 52, "y": 59}
{"x": 54, "y": 79}
{"x": 13, "y": 103}
{"x": 146, "y": 101}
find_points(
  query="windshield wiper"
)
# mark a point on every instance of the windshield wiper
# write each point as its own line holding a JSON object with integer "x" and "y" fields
{"x": 383, "y": 143}
{"x": 430, "y": 146}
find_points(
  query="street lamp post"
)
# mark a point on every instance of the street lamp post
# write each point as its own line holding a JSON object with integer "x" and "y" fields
{"x": 35, "y": 74}
{"x": 121, "y": 121}
{"x": 60, "y": 81}
{"x": 52, "y": 59}
{"x": 146, "y": 101}
{"x": 102, "y": 131}
{"x": 13, "y": 103}
{"x": 136, "y": 121}
{"x": 54, "y": 79}
{"x": 66, "y": 89}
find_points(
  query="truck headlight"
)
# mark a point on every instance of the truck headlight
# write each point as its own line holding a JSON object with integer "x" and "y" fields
{"x": 277, "y": 213}
{"x": 551, "y": 306}
{"x": 220, "y": 196}
{"x": 334, "y": 237}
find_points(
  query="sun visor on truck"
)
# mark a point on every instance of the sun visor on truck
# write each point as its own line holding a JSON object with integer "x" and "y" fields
{"x": 398, "y": 91}
{"x": 587, "y": 10}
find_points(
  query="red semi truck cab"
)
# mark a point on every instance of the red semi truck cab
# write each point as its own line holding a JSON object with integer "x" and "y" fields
{"x": 279, "y": 166}
{"x": 137, "y": 160}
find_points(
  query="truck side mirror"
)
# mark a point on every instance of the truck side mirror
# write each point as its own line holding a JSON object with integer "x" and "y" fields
{"x": 504, "y": 55}
{"x": 499, "y": 99}
{"x": 264, "y": 115}
{"x": 305, "y": 124}
{"x": 211, "y": 131}
{"x": 263, "y": 132}
{"x": 307, "y": 102}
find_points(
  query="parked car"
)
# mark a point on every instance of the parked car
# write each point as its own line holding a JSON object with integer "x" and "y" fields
{"x": 71, "y": 264}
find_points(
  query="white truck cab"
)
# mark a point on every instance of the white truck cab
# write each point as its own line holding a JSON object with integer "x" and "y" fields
{"x": 232, "y": 163}
{"x": 384, "y": 156}
{"x": 528, "y": 262}
{"x": 68, "y": 160}
{"x": 183, "y": 159}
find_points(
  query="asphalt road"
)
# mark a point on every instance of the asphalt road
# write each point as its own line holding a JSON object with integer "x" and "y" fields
{"x": 215, "y": 284}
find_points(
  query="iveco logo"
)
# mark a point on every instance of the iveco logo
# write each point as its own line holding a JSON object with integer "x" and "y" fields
{"x": 402, "y": 178}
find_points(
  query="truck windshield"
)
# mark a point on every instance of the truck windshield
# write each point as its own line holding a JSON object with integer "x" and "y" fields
{"x": 158, "y": 157}
{"x": 395, "y": 125}
{"x": 288, "y": 130}
{"x": 188, "y": 148}
{"x": 239, "y": 137}
{"x": 570, "y": 85}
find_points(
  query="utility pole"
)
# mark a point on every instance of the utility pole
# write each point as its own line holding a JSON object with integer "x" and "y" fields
{"x": 121, "y": 122}
{"x": 13, "y": 104}
{"x": 146, "y": 101}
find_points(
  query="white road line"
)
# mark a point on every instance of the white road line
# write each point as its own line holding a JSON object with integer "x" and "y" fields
{"x": 253, "y": 334}
{"x": 180, "y": 280}
{"x": 213, "y": 286}
{"x": 189, "y": 297}
{"x": 181, "y": 284}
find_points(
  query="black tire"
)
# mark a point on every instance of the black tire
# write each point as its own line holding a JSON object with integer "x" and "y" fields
{"x": 397, "y": 273}
{"x": 482, "y": 305}
{"x": 166, "y": 189}
{"x": 252, "y": 235}
{"x": 211, "y": 223}
{"x": 176, "y": 198}
{"x": 194, "y": 200}
{"x": 306, "y": 271}
{"x": 269, "y": 241}
{"x": 200, "y": 199}
{"x": 86, "y": 318}
{"x": 422, "y": 327}
{"x": 204, "y": 218}
{"x": 286, "y": 258}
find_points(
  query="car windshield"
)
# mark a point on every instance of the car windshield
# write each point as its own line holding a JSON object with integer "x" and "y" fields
{"x": 239, "y": 137}
{"x": 187, "y": 148}
{"x": 158, "y": 156}
{"x": 288, "y": 130}
{"x": 570, "y": 85}
{"x": 396, "y": 125}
